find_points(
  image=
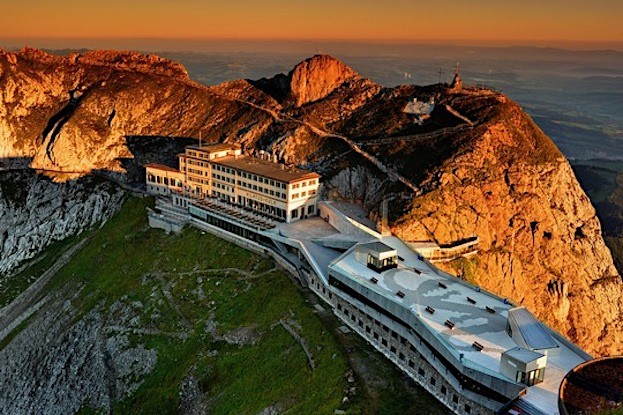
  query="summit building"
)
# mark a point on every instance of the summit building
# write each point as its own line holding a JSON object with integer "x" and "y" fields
{"x": 222, "y": 172}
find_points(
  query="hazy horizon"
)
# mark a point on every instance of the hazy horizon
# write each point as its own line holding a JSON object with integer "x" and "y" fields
{"x": 216, "y": 45}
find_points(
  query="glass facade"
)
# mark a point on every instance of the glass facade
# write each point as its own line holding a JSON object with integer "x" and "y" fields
{"x": 380, "y": 265}
{"x": 531, "y": 378}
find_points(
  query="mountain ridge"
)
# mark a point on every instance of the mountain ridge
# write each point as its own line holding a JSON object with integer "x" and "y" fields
{"x": 482, "y": 165}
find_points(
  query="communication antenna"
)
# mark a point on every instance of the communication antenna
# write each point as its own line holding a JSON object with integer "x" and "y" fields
{"x": 457, "y": 69}
{"x": 199, "y": 138}
{"x": 440, "y": 72}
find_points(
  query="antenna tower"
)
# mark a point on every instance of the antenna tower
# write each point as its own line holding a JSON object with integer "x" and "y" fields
{"x": 440, "y": 72}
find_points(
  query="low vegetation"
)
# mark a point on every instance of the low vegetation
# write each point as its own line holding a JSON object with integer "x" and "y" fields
{"x": 214, "y": 313}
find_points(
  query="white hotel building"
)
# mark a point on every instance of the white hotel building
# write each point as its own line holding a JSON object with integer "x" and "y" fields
{"x": 221, "y": 171}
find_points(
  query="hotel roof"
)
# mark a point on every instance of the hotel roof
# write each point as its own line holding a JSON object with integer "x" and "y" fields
{"x": 421, "y": 286}
{"x": 472, "y": 322}
{"x": 523, "y": 355}
{"x": 210, "y": 148}
{"x": 162, "y": 167}
{"x": 531, "y": 329}
{"x": 378, "y": 247}
{"x": 266, "y": 168}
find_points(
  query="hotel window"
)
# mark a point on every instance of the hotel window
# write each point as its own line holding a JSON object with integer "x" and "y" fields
{"x": 303, "y": 184}
{"x": 295, "y": 196}
{"x": 151, "y": 177}
{"x": 312, "y": 192}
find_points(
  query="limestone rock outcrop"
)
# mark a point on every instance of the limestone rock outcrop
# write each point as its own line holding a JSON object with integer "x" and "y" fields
{"x": 482, "y": 167}
{"x": 34, "y": 212}
{"x": 317, "y": 77}
{"x": 62, "y": 361}
{"x": 540, "y": 240}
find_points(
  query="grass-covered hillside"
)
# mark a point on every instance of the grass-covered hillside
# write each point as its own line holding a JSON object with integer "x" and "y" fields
{"x": 221, "y": 330}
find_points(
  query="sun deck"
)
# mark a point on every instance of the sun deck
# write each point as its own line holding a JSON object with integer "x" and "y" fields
{"x": 446, "y": 300}
{"x": 470, "y": 322}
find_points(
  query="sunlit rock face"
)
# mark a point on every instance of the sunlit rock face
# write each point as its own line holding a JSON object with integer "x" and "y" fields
{"x": 483, "y": 167}
{"x": 317, "y": 77}
{"x": 541, "y": 243}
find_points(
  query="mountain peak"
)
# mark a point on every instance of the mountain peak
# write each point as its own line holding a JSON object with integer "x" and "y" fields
{"x": 317, "y": 77}
{"x": 111, "y": 59}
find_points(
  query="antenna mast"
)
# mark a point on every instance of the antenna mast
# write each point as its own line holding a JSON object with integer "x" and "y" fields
{"x": 440, "y": 72}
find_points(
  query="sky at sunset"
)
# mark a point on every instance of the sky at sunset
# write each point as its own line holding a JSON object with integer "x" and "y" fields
{"x": 390, "y": 20}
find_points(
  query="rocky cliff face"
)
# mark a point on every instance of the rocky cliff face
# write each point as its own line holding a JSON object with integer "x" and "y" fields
{"x": 63, "y": 361}
{"x": 541, "y": 243}
{"x": 481, "y": 165}
{"x": 35, "y": 212}
{"x": 50, "y": 104}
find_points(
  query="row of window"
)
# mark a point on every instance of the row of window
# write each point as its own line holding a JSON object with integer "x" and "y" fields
{"x": 200, "y": 181}
{"x": 223, "y": 169}
{"x": 294, "y": 213}
{"x": 223, "y": 186}
{"x": 250, "y": 176}
{"x": 164, "y": 180}
{"x": 197, "y": 163}
{"x": 262, "y": 207}
{"x": 223, "y": 178}
{"x": 261, "y": 189}
{"x": 420, "y": 371}
{"x": 303, "y": 184}
{"x": 195, "y": 171}
{"x": 302, "y": 194}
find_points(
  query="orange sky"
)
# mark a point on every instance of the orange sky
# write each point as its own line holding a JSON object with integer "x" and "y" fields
{"x": 485, "y": 20}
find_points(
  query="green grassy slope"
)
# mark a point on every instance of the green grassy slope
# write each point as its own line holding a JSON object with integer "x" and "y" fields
{"x": 178, "y": 285}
